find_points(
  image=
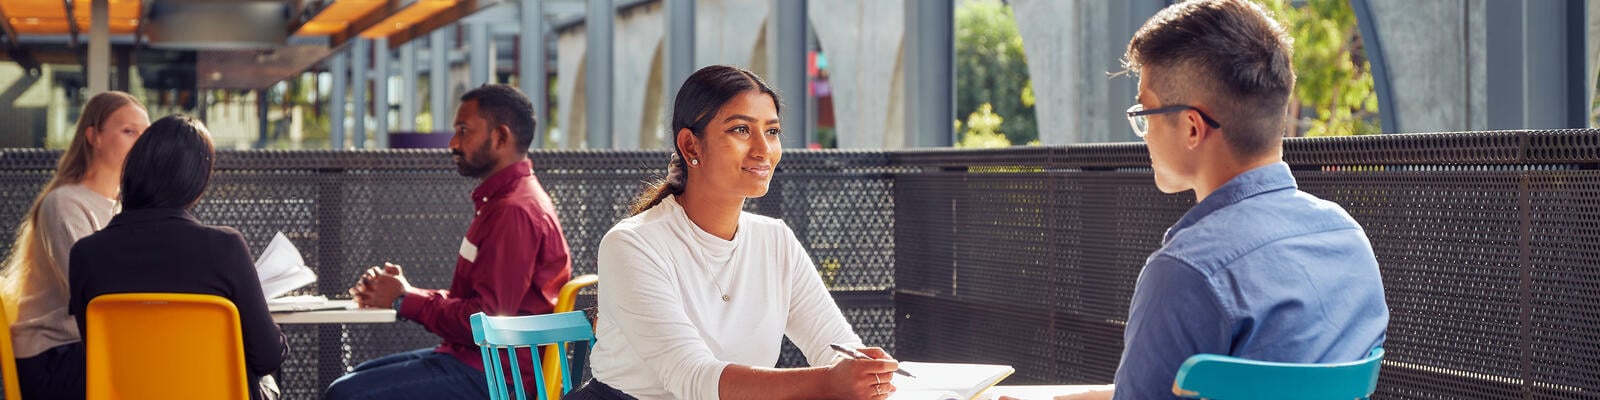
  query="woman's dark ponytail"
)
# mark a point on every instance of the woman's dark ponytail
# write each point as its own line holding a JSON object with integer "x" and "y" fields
{"x": 677, "y": 177}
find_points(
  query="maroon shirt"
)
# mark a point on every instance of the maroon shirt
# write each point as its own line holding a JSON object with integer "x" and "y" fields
{"x": 513, "y": 261}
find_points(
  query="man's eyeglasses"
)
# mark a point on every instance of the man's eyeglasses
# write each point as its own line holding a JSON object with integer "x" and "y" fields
{"x": 1141, "y": 125}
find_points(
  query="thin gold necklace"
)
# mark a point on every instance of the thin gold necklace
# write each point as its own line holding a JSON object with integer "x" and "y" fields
{"x": 716, "y": 278}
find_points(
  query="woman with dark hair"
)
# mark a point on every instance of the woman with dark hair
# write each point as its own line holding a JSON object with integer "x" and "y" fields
{"x": 77, "y": 201}
{"x": 699, "y": 294}
{"x": 155, "y": 245}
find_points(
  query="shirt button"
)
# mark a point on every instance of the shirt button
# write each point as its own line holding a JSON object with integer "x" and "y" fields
{"x": 486, "y": 199}
{"x": 477, "y": 213}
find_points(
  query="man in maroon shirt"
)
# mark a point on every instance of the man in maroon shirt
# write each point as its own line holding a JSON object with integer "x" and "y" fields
{"x": 512, "y": 262}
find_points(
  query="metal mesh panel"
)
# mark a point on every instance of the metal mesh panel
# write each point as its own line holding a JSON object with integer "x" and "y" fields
{"x": 1025, "y": 265}
{"x": 1448, "y": 245}
{"x": 1564, "y": 285}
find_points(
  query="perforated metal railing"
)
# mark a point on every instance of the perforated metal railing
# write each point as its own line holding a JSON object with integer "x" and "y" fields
{"x": 1489, "y": 244}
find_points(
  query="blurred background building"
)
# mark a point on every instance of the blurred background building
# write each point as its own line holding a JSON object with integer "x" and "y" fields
{"x": 320, "y": 74}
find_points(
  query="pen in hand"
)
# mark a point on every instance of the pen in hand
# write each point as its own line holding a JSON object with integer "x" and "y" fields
{"x": 856, "y": 354}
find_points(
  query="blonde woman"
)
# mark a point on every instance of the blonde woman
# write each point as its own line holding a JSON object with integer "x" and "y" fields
{"x": 78, "y": 201}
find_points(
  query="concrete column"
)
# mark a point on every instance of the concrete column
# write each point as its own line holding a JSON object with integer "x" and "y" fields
{"x": 1071, "y": 49}
{"x": 1052, "y": 34}
{"x": 439, "y": 79}
{"x": 360, "y": 49}
{"x": 718, "y": 42}
{"x": 408, "y": 91}
{"x": 99, "y": 46}
{"x": 680, "y": 47}
{"x": 789, "y": 67}
{"x": 337, "y": 68}
{"x": 636, "y": 115}
{"x": 863, "y": 43}
{"x": 571, "y": 47}
{"x": 480, "y": 54}
{"x": 380, "y": 93}
{"x": 124, "y": 67}
{"x": 531, "y": 69}
{"x": 930, "y": 73}
{"x": 1435, "y": 56}
{"x": 261, "y": 119}
{"x": 598, "y": 26}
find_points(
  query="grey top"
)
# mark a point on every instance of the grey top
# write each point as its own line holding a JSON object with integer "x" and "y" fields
{"x": 66, "y": 214}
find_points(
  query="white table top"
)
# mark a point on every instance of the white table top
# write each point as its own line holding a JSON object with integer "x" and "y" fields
{"x": 1037, "y": 392}
{"x": 350, "y": 314}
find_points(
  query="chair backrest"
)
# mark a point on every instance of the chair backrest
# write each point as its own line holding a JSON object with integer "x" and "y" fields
{"x": 496, "y": 335}
{"x": 1210, "y": 376}
{"x": 8, "y": 357}
{"x": 566, "y": 301}
{"x": 164, "y": 345}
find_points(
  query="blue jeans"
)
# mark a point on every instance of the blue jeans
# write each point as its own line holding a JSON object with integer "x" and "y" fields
{"x": 418, "y": 374}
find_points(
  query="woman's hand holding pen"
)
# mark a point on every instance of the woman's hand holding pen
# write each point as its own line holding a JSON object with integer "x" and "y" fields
{"x": 864, "y": 378}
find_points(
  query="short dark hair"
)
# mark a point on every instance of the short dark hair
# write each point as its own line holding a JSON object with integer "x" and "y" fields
{"x": 505, "y": 105}
{"x": 169, "y": 166}
{"x": 1230, "y": 52}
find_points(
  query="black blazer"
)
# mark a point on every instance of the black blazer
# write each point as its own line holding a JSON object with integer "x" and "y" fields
{"x": 167, "y": 250}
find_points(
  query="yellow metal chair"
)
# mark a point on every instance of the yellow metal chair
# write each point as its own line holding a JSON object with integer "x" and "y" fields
{"x": 164, "y": 346}
{"x": 553, "y": 357}
{"x": 8, "y": 356}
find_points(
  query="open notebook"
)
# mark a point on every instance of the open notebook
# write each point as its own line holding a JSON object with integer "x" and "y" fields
{"x": 945, "y": 381}
{"x": 281, "y": 270}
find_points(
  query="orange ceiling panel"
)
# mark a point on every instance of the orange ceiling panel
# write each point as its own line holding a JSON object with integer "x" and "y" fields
{"x": 49, "y": 17}
{"x": 337, "y": 17}
{"x": 124, "y": 15}
{"x": 35, "y": 16}
{"x": 411, "y": 15}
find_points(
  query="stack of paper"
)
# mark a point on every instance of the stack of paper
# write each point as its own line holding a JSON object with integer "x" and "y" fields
{"x": 304, "y": 303}
{"x": 281, "y": 269}
{"x": 945, "y": 381}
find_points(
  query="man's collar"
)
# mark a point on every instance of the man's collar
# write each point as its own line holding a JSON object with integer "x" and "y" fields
{"x": 498, "y": 182}
{"x": 1263, "y": 179}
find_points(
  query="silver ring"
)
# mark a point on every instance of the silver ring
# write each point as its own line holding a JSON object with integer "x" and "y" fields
{"x": 876, "y": 378}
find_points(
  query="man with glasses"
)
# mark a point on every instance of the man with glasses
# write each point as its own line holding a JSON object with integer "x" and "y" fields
{"x": 1257, "y": 269}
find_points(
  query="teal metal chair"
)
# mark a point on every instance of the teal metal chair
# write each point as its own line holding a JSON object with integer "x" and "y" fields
{"x": 496, "y": 335}
{"x": 1210, "y": 376}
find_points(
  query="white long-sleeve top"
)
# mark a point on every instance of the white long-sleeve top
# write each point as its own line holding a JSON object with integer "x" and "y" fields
{"x": 664, "y": 331}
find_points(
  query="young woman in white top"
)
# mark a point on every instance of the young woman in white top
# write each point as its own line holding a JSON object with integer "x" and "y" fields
{"x": 697, "y": 295}
{"x": 78, "y": 201}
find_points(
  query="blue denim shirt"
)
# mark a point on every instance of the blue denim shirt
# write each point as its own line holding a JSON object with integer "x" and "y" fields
{"x": 1258, "y": 270}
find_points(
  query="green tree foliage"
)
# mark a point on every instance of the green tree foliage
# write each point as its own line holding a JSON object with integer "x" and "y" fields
{"x": 983, "y": 130}
{"x": 991, "y": 70}
{"x": 1334, "y": 92}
